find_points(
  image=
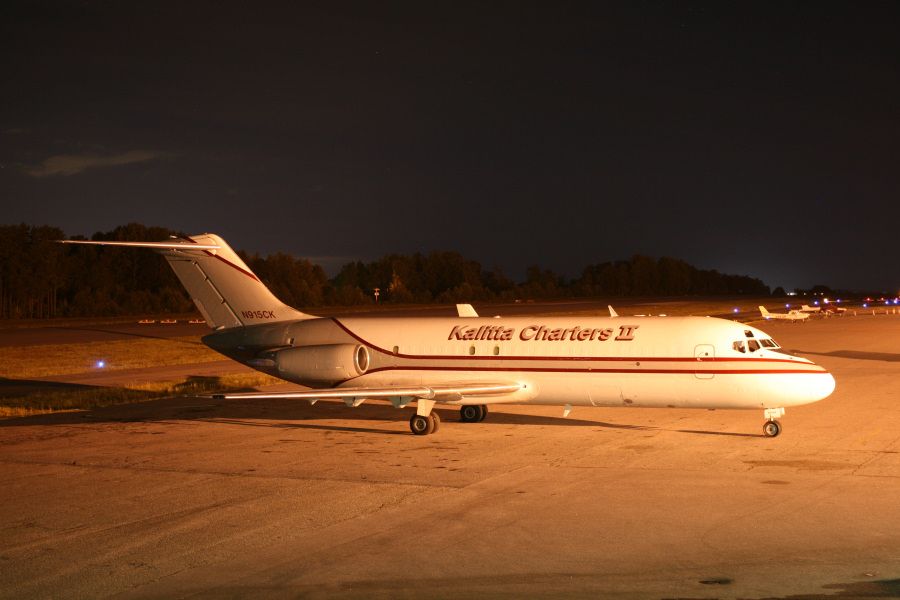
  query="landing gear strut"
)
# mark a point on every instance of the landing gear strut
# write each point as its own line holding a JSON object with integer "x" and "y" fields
{"x": 473, "y": 413}
{"x": 772, "y": 427}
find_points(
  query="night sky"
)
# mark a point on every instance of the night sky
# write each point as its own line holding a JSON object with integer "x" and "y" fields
{"x": 755, "y": 138}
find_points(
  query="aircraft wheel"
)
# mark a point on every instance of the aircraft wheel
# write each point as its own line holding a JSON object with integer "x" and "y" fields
{"x": 484, "y": 412}
{"x": 771, "y": 428}
{"x": 471, "y": 413}
{"x": 420, "y": 425}
{"x": 437, "y": 421}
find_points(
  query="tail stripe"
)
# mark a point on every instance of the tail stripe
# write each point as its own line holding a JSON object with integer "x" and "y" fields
{"x": 226, "y": 261}
{"x": 231, "y": 264}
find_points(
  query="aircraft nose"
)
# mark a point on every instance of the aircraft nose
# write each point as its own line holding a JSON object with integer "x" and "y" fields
{"x": 820, "y": 386}
{"x": 830, "y": 385}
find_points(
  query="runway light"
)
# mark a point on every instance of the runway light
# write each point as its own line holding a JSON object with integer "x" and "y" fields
{"x": 101, "y": 364}
{"x": 816, "y": 302}
{"x": 735, "y": 310}
{"x": 787, "y": 305}
{"x": 865, "y": 305}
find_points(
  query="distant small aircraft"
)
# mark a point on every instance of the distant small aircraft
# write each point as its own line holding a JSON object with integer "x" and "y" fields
{"x": 791, "y": 315}
{"x": 810, "y": 309}
{"x": 471, "y": 362}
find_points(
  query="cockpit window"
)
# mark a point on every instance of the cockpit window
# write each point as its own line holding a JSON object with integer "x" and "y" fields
{"x": 748, "y": 333}
{"x": 739, "y": 346}
{"x": 753, "y": 345}
{"x": 767, "y": 343}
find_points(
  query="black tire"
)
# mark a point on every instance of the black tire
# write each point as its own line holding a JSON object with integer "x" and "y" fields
{"x": 421, "y": 425}
{"x": 771, "y": 428}
{"x": 471, "y": 413}
{"x": 484, "y": 412}
{"x": 437, "y": 421}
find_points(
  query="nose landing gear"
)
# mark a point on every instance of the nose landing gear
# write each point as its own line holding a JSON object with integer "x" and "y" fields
{"x": 772, "y": 428}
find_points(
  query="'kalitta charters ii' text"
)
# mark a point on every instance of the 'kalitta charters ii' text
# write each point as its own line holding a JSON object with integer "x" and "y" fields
{"x": 541, "y": 333}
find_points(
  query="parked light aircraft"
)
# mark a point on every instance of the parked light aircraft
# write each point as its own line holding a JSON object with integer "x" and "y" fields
{"x": 810, "y": 309}
{"x": 791, "y": 315}
{"x": 472, "y": 362}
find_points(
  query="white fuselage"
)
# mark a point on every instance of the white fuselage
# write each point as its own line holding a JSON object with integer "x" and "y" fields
{"x": 693, "y": 362}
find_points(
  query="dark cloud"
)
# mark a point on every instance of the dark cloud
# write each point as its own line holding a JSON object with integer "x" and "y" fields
{"x": 72, "y": 164}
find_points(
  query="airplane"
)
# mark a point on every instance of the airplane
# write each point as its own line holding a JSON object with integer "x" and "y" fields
{"x": 791, "y": 315}
{"x": 810, "y": 309}
{"x": 472, "y": 362}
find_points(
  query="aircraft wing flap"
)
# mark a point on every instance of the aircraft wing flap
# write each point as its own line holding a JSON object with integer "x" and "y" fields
{"x": 441, "y": 392}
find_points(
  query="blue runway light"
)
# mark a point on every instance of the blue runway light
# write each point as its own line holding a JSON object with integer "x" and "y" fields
{"x": 101, "y": 364}
{"x": 736, "y": 310}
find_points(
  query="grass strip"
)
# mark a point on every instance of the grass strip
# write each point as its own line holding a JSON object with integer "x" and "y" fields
{"x": 68, "y": 359}
{"x": 83, "y": 399}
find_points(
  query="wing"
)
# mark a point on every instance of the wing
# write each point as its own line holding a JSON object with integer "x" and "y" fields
{"x": 486, "y": 393}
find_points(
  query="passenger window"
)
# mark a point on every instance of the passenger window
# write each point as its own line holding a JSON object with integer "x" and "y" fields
{"x": 396, "y": 349}
{"x": 753, "y": 344}
{"x": 471, "y": 350}
{"x": 496, "y": 350}
{"x": 739, "y": 346}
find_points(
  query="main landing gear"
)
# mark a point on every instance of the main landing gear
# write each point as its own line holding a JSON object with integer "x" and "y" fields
{"x": 473, "y": 413}
{"x": 772, "y": 428}
{"x": 420, "y": 425}
{"x": 426, "y": 424}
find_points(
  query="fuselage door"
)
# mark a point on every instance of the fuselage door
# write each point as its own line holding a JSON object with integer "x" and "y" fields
{"x": 704, "y": 353}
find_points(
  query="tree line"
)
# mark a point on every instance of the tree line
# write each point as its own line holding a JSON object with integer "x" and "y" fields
{"x": 40, "y": 278}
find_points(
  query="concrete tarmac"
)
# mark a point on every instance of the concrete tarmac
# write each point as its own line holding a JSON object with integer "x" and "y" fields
{"x": 189, "y": 497}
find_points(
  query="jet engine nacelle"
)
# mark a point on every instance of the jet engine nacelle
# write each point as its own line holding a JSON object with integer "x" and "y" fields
{"x": 324, "y": 364}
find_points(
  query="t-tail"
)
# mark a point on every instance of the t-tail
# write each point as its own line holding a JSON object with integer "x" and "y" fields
{"x": 224, "y": 289}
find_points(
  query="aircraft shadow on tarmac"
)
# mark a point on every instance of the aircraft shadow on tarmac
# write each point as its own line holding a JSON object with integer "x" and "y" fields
{"x": 17, "y": 388}
{"x": 281, "y": 413}
{"x": 855, "y": 354}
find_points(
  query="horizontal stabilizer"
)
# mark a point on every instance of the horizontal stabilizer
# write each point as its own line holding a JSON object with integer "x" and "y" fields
{"x": 156, "y": 245}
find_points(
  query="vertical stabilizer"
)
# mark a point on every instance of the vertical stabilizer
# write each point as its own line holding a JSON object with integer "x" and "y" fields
{"x": 223, "y": 287}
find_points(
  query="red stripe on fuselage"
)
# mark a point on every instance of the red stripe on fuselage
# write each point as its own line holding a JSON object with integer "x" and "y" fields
{"x": 588, "y": 370}
{"x": 692, "y": 359}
